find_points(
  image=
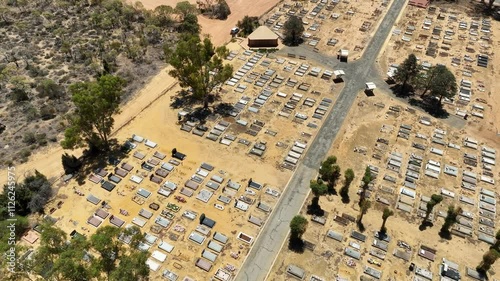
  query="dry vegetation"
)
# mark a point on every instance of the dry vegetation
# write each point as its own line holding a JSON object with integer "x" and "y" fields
{"x": 50, "y": 44}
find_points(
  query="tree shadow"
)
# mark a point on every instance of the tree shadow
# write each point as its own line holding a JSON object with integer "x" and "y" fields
{"x": 331, "y": 189}
{"x": 183, "y": 99}
{"x": 399, "y": 92}
{"x": 93, "y": 160}
{"x": 345, "y": 198}
{"x": 199, "y": 114}
{"x": 424, "y": 225}
{"x": 480, "y": 9}
{"x": 296, "y": 244}
{"x": 434, "y": 108}
{"x": 314, "y": 208}
{"x": 382, "y": 235}
{"x": 291, "y": 43}
{"x": 224, "y": 109}
{"x": 361, "y": 226}
{"x": 344, "y": 194}
{"x": 482, "y": 273}
{"x": 445, "y": 234}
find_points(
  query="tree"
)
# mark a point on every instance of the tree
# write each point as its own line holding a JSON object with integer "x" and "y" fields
{"x": 490, "y": 4}
{"x": 349, "y": 176}
{"x": 70, "y": 163}
{"x": 496, "y": 246}
{"x": 31, "y": 195}
{"x": 163, "y": 14}
{"x": 298, "y": 226}
{"x": 292, "y": 30}
{"x": 105, "y": 243}
{"x": 185, "y": 8}
{"x": 488, "y": 260}
{"x": 443, "y": 85}
{"x": 325, "y": 170}
{"x": 53, "y": 239}
{"x": 330, "y": 173}
{"x": 48, "y": 88}
{"x": 199, "y": 65}
{"x": 385, "y": 215}
{"x": 96, "y": 102}
{"x": 132, "y": 268}
{"x": 344, "y": 191}
{"x": 365, "y": 205}
{"x": 318, "y": 188}
{"x": 423, "y": 80}
{"x": 435, "y": 199}
{"x": 221, "y": 11}
{"x": 21, "y": 225}
{"x": 100, "y": 257}
{"x": 407, "y": 71}
{"x": 247, "y": 25}
{"x": 190, "y": 25}
{"x": 367, "y": 179}
{"x": 449, "y": 221}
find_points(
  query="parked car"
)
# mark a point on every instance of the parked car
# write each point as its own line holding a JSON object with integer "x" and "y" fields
{"x": 234, "y": 31}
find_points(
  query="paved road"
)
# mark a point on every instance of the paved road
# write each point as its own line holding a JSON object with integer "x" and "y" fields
{"x": 268, "y": 245}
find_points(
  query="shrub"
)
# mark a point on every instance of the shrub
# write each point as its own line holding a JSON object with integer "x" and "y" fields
{"x": 29, "y": 138}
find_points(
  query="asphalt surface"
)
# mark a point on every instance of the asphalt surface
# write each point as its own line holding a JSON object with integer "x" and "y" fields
{"x": 268, "y": 245}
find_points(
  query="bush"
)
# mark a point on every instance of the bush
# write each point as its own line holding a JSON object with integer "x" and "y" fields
{"x": 31, "y": 113}
{"x": 222, "y": 10}
{"x": 48, "y": 88}
{"x": 41, "y": 139}
{"x": 29, "y": 138}
{"x": 47, "y": 112}
{"x": 19, "y": 95}
{"x": 25, "y": 153}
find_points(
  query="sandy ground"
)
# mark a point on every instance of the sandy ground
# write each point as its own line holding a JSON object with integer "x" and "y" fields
{"x": 327, "y": 259}
{"x": 158, "y": 123}
{"x": 462, "y": 43}
{"x": 217, "y": 29}
{"x": 48, "y": 161}
{"x": 341, "y": 22}
{"x": 372, "y": 119}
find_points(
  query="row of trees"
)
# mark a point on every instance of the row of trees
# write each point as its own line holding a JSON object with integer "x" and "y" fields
{"x": 102, "y": 256}
{"x": 293, "y": 29}
{"x": 197, "y": 64}
{"x": 329, "y": 175}
{"x": 29, "y": 197}
{"x": 437, "y": 82}
{"x": 490, "y": 257}
{"x": 247, "y": 25}
{"x": 364, "y": 203}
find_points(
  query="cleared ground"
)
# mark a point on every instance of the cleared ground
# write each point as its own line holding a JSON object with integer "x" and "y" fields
{"x": 372, "y": 119}
{"x": 219, "y": 29}
{"x": 450, "y": 31}
{"x": 333, "y": 26}
{"x": 158, "y": 123}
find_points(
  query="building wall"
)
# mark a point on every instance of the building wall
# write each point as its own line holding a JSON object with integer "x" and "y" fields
{"x": 420, "y": 3}
{"x": 262, "y": 43}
